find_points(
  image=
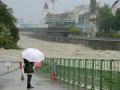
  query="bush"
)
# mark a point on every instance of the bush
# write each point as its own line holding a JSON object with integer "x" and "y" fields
{"x": 109, "y": 34}
{"x": 6, "y": 40}
{"x": 116, "y": 35}
{"x": 74, "y": 31}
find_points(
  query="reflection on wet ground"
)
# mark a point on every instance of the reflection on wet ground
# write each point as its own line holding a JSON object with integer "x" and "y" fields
{"x": 12, "y": 81}
{"x": 2, "y": 68}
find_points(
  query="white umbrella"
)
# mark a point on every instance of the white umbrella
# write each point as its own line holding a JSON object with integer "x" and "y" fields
{"x": 33, "y": 55}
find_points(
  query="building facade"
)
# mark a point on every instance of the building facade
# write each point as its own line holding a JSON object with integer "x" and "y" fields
{"x": 81, "y": 16}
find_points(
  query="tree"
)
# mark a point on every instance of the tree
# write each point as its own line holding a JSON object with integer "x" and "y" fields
{"x": 8, "y": 21}
{"x": 116, "y": 21}
{"x": 104, "y": 18}
{"x": 93, "y": 6}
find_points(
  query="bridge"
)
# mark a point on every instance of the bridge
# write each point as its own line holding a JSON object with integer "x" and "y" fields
{"x": 64, "y": 74}
{"x": 12, "y": 78}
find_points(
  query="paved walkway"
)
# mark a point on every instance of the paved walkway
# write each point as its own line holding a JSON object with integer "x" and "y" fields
{"x": 12, "y": 81}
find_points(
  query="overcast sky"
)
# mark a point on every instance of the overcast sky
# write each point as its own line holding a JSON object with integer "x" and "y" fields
{"x": 31, "y": 10}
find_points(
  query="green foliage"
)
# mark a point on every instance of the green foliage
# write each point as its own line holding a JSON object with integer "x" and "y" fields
{"x": 116, "y": 21}
{"x": 116, "y": 35}
{"x": 6, "y": 40}
{"x": 77, "y": 32}
{"x": 8, "y": 31}
{"x": 104, "y": 18}
{"x": 107, "y": 21}
{"x": 109, "y": 34}
{"x": 74, "y": 31}
{"x": 6, "y": 14}
{"x": 14, "y": 33}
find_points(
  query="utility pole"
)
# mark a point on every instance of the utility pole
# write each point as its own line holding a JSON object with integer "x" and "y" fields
{"x": 93, "y": 9}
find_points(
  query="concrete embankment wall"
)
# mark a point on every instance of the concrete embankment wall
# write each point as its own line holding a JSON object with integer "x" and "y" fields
{"x": 95, "y": 43}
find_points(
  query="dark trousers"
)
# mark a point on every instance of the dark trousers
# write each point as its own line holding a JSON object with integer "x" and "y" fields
{"x": 29, "y": 77}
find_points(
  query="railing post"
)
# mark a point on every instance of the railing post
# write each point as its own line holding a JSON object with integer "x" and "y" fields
{"x": 48, "y": 70}
{"x": 50, "y": 66}
{"x": 93, "y": 63}
{"x": 60, "y": 67}
{"x": 85, "y": 73}
{"x": 79, "y": 72}
{"x": 101, "y": 73}
{"x": 69, "y": 70}
{"x": 111, "y": 74}
{"x": 64, "y": 79}
{"x": 74, "y": 65}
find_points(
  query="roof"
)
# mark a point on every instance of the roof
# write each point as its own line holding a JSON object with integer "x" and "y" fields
{"x": 57, "y": 16}
{"x": 46, "y": 6}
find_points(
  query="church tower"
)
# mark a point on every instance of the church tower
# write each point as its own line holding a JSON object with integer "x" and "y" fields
{"x": 45, "y": 11}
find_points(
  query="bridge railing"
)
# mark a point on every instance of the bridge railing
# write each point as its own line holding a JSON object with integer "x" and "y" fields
{"x": 87, "y": 73}
{"x": 7, "y": 67}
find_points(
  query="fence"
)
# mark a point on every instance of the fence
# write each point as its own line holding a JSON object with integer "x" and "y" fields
{"x": 90, "y": 74}
{"x": 7, "y": 67}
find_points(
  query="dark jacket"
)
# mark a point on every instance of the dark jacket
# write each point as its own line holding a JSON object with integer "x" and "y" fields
{"x": 28, "y": 68}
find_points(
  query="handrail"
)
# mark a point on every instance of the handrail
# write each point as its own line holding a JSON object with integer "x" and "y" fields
{"x": 95, "y": 74}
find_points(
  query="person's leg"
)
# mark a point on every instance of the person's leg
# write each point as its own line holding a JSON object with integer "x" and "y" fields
{"x": 29, "y": 77}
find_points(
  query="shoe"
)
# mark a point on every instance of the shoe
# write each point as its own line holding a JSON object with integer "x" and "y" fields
{"x": 30, "y": 87}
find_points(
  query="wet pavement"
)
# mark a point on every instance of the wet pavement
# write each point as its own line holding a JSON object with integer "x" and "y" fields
{"x": 2, "y": 69}
{"x": 8, "y": 66}
{"x": 12, "y": 81}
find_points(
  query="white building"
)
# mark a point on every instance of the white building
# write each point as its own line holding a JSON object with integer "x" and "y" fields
{"x": 80, "y": 15}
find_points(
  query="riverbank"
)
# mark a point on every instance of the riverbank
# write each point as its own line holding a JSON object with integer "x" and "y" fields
{"x": 59, "y": 50}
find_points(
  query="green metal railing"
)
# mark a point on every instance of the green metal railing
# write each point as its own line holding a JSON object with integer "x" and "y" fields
{"x": 88, "y": 73}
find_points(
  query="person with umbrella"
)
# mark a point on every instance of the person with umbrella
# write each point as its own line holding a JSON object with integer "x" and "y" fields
{"x": 28, "y": 68}
{"x": 30, "y": 56}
